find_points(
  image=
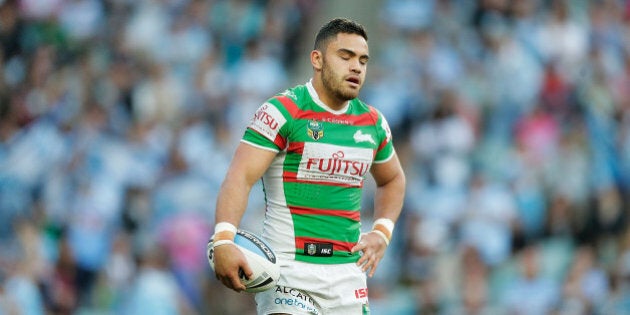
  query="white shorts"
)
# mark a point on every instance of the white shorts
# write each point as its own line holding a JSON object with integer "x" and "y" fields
{"x": 309, "y": 289}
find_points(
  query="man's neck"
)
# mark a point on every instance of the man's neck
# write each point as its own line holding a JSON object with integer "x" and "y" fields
{"x": 325, "y": 97}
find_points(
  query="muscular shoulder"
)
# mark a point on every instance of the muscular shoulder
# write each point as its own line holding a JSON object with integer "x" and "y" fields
{"x": 297, "y": 93}
{"x": 295, "y": 98}
{"x": 359, "y": 107}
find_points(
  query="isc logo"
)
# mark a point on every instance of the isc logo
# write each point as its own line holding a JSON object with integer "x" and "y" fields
{"x": 361, "y": 293}
{"x": 326, "y": 251}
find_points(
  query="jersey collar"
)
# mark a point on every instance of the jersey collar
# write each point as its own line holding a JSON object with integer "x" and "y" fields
{"x": 315, "y": 97}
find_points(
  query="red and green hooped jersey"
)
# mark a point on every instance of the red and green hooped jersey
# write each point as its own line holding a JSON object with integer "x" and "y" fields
{"x": 313, "y": 187}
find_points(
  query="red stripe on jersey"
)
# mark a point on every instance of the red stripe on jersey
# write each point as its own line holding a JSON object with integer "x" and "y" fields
{"x": 337, "y": 245}
{"x": 352, "y": 215}
{"x": 366, "y": 119}
{"x": 291, "y": 107}
{"x": 291, "y": 177}
{"x": 374, "y": 114}
{"x": 280, "y": 142}
{"x": 296, "y": 147}
{"x": 382, "y": 145}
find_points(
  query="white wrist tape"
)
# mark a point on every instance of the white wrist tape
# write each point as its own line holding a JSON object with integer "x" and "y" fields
{"x": 224, "y": 231}
{"x": 224, "y": 226}
{"x": 384, "y": 227}
{"x": 381, "y": 234}
{"x": 221, "y": 242}
{"x": 385, "y": 222}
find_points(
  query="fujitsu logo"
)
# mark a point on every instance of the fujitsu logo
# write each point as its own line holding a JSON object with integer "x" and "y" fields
{"x": 336, "y": 164}
{"x": 262, "y": 116}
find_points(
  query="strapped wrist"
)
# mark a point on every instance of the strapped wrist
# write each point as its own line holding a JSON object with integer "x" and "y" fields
{"x": 224, "y": 231}
{"x": 385, "y": 228}
{"x": 221, "y": 242}
{"x": 382, "y": 235}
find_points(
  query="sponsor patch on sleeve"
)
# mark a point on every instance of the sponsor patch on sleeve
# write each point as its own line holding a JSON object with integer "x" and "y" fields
{"x": 267, "y": 121}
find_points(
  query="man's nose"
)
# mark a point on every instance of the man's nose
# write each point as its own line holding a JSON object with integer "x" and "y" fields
{"x": 355, "y": 66}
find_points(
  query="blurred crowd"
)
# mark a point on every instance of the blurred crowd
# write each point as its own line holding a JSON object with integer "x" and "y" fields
{"x": 511, "y": 117}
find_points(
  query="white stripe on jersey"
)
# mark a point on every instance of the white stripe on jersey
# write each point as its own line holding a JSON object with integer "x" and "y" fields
{"x": 259, "y": 146}
{"x": 278, "y": 226}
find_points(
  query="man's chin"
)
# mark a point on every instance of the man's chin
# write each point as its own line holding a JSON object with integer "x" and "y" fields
{"x": 349, "y": 94}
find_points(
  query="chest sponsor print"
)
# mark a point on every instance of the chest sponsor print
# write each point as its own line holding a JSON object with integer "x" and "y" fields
{"x": 336, "y": 164}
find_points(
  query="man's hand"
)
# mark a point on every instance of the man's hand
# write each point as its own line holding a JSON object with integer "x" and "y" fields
{"x": 373, "y": 247}
{"x": 228, "y": 260}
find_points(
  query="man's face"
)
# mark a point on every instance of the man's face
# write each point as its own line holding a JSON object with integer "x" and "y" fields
{"x": 344, "y": 65}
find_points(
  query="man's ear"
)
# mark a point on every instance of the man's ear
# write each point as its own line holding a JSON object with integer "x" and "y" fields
{"x": 316, "y": 59}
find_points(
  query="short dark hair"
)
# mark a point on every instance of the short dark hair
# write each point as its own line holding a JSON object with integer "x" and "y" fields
{"x": 336, "y": 26}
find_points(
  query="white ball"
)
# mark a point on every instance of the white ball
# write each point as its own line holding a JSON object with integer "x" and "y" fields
{"x": 260, "y": 257}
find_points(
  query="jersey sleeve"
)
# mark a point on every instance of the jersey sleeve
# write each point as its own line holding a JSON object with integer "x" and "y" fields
{"x": 267, "y": 129}
{"x": 385, "y": 149}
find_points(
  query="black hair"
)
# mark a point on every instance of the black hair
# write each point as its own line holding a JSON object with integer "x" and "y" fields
{"x": 336, "y": 26}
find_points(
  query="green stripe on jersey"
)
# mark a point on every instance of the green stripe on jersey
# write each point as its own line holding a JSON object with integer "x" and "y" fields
{"x": 327, "y": 227}
{"x": 341, "y": 135}
{"x": 338, "y": 257}
{"x": 259, "y": 140}
{"x": 319, "y": 196}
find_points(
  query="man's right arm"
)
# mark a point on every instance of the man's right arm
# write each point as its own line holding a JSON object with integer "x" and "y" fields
{"x": 247, "y": 167}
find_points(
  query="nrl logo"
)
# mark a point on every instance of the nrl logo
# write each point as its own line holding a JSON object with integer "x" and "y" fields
{"x": 315, "y": 130}
{"x": 311, "y": 249}
{"x": 359, "y": 136}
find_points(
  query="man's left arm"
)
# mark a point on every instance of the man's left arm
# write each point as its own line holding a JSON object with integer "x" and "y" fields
{"x": 388, "y": 203}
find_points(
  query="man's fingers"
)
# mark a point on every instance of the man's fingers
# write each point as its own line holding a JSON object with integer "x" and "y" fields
{"x": 236, "y": 284}
{"x": 361, "y": 245}
{"x": 370, "y": 255}
{"x": 232, "y": 281}
{"x": 373, "y": 270}
{"x": 362, "y": 261}
{"x": 369, "y": 261}
{"x": 370, "y": 267}
{"x": 232, "y": 267}
{"x": 247, "y": 271}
